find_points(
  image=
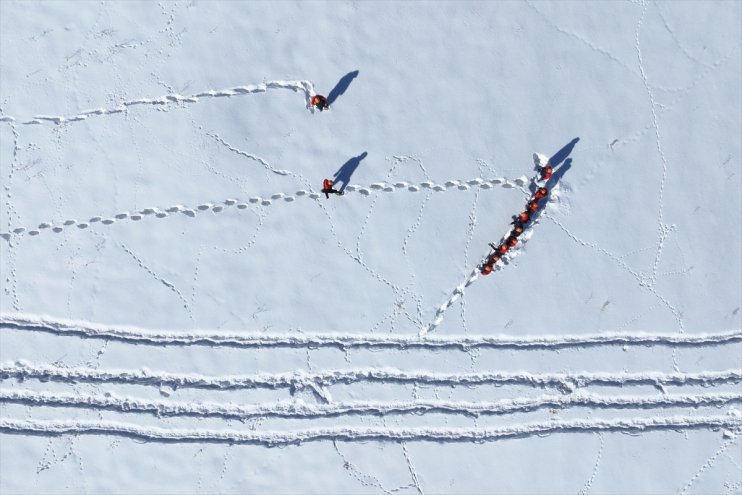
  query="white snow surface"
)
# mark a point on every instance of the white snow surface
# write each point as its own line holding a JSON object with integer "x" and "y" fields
{"x": 178, "y": 299}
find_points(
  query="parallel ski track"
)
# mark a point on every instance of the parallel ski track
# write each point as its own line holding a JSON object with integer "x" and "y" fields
{"x": 305, "y": 87}
{"x": 363, "y": 433}
{"x": 215, "y": 338}
{"x": 303, "y": 379}
{"x": 219, "y": 205}
{"x": 299, "y": 409}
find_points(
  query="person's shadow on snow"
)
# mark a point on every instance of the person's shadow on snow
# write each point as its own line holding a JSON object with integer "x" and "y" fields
{"x": 563, "y": 153}
{"x": 344, "y": 173}
{"x": 341, "y": 86}
{"x": 559, "y": 158}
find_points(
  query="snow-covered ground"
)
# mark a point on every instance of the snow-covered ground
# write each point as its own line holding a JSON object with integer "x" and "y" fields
{"x": 181, "y": 310}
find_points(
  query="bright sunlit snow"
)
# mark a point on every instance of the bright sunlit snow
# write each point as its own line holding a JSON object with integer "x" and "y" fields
{"x": 182, "y": 310}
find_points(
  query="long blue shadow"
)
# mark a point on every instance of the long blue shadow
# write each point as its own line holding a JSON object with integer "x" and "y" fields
{"x": 341, "y": 86}
{"x": 563, "y": 153}
{"x": 346, "y": 171}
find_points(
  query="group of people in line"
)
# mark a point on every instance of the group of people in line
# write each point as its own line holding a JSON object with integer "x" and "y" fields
{"x": 519, "y": 223}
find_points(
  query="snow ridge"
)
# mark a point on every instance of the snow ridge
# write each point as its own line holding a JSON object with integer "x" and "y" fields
{"x": 219, "y": 205}
{"x": 305, "y": 87}
{"x": 301, "y": 379}
{"x": 362, "y": 433}
{"x": 135, "y": 335}
{"x": 300, "y": 409}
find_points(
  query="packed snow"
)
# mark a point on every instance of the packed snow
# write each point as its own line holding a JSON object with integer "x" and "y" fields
{"x": 183, "y": 310}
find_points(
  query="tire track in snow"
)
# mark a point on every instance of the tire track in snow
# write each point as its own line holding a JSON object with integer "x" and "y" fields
{"x": 363, "y": 433}
{"x": 315, "y": 381}
{"x": 135, "y": 335}
{"x": 305, "y": 87}
{"x": 219, "y": 205}
{"x": 299, "y": 409}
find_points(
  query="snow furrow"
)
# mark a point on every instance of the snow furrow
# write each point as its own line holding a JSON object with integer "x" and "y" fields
{"x": 305, "y": 87}
{"x": 302, "y": 379}
{"x": 301, "y": 409}
{"x": 218, "y": 206}
{"x": 363, "y": 433}
{"x": 135, "y": 335}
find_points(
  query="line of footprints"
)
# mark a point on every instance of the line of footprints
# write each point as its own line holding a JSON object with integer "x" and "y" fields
{"x": 217, "y": 207}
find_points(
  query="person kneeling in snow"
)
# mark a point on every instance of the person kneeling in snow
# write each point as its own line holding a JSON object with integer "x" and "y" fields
{"x": 327, "y": 189}
{"x": 319, "y": 101}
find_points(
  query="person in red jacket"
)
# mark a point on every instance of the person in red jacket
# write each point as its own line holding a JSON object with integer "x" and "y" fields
{"x": 524, "y": 217}
{"x": 511, "y": 241}
{"x": 541, "y": 192}
{"x": 486, "y": 269}
{"x": 319, "y": 101}
{"x": 517, "y": 230}
{"x": 546, "y": 172}
{"x": 502, "y": 249}
{"x": 532, "y": 205}
{"x": 327, "y": 189}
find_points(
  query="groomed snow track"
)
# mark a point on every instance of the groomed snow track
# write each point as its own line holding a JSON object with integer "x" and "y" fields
{"x": 300, "y": 409}
{"x": 435, "y": 434}
{"x": 298, "y": 379}
{"x": 135, "y": 335}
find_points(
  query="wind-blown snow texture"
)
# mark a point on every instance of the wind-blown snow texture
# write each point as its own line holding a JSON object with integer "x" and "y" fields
{"x": 177, "y": 296}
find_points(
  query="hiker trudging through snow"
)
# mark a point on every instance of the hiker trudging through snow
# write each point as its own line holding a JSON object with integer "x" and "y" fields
{"x": 517, "y": 230}
{"x": 546, "y": 172}
{"x": 511, "y": 241}
{"x": 319, "y": 101}
{"x": 327, "y": 189}
{"x": 492, "y": 260}
{"x": 541, "y": 192}
{"x": 532, "y": 206}
{"x": 523, "y": 218}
